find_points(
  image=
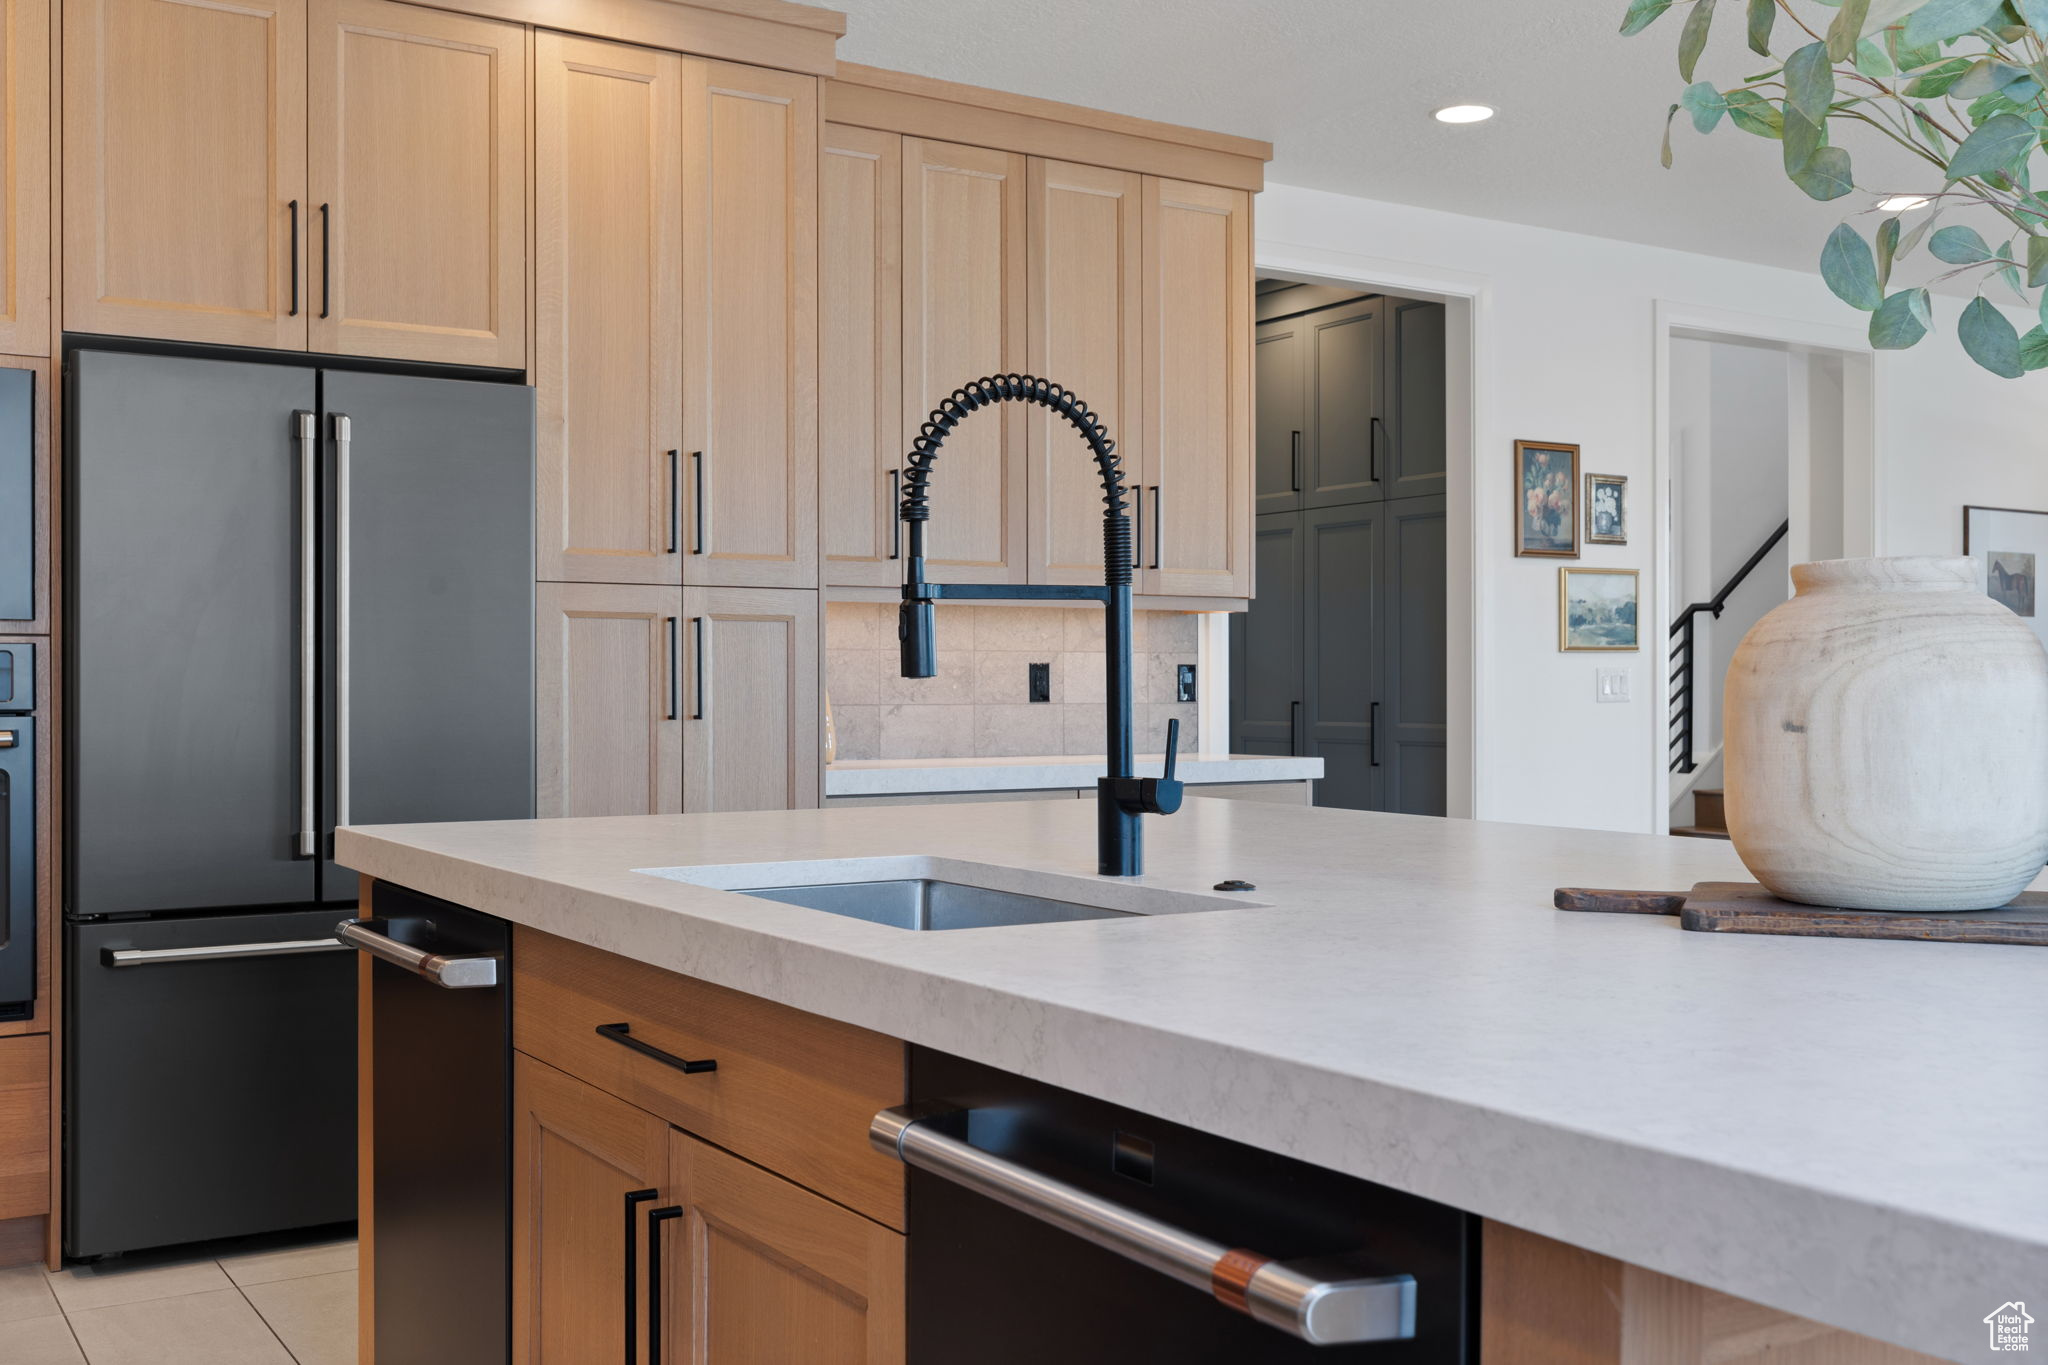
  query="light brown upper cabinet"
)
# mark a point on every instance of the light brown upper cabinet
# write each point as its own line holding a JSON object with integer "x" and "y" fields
{"x": 964, "y": 264}
{"x": 608, "y": 689}
{"x": 1086, "y": 334}
{"x": 750, "y": 452}
{"x": 418, "y": 177}
{"x": 25, "y": 177}
{"x": 750, "y": 697}
{"x": 185, "y": 206}
{"x": 608, "y": 310}
{"x": 1196, "y": 538}
{"x": 860, "y": 355}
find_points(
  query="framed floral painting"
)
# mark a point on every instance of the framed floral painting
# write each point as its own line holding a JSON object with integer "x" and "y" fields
{"x": 1546, "y": 499}
{"x": 1606, "y": 509}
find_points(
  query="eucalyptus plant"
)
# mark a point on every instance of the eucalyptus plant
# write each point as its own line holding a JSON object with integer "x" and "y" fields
{"x": 1957, "y": 83}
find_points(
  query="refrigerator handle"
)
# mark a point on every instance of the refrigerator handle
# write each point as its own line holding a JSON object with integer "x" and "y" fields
{"x": 309, "y": 615}
{"x": 342, "y": 579}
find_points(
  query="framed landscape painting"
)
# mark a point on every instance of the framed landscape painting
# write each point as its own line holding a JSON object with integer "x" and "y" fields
{"x": 1596, "y": 609}
{"x": 2011, "y": 548}
{"x": 1546, "y": 499}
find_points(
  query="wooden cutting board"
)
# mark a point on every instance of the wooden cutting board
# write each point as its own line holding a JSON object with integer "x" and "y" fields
{"x": 1746, "y": 908}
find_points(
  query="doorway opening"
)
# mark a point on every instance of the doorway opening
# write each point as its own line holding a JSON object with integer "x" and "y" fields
{"x": 1343, "y": 654}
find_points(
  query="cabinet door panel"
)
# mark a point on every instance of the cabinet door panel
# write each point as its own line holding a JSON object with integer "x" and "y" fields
{"x": 577, "y": 1154}
{"x": 1279, "y": 362}
{"x": 1198, "y": 419}
{"x": 767, "y": 1271}
{"x": 752, "y": 699}
{"x": 860, "y": 355}
{"x": 750, "y": 306}
{"x": 964, "y": 272}
{"x": 418, "y": 167}
{"x": 1086, "y": 332}
{"x": 608, "y": 310}
{"x": 1347, "y": 438}
{"x": 1413, "y": 707}
{"x": 25, "y": 177}
{"x": 1265, "y": 645}
{"x": 184, "y": 151}
{"x": 607, "y": 677}
{"x": 1341, "y": 567}
{"x": 1415, "y": 397}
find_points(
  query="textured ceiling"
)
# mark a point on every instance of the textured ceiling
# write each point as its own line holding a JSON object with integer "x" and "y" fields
{"x": 1344, "y": 90}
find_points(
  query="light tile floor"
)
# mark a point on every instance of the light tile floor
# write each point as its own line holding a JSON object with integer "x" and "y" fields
{"x": 261, "y": 1301}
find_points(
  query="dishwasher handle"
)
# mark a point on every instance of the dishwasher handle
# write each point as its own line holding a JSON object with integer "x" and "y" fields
{"x": 1323, "y": 1302}
{"x": 454, "y": 972}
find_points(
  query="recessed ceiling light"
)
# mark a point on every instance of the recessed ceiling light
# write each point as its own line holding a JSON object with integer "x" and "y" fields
{"x": 1464, "y": 113}
{"x": 1899, "y": 203}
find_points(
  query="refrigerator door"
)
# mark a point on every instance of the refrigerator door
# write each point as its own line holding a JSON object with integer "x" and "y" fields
{"x": 210, "y": 1080}
{"x": 432, "y": 577}
{"x": 190, "y": 716}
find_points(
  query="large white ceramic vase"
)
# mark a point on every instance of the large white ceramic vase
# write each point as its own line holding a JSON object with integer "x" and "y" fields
{"x": 1886, "y": 739}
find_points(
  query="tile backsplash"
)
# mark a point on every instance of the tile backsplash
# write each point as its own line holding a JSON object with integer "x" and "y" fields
{"x": 979, "y": 705}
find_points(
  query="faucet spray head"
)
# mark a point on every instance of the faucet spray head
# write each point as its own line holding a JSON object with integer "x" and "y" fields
{"x": 915, "y": 632}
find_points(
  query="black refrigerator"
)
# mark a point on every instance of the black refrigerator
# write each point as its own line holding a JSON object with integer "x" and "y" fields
{"x": 296, "y": 598}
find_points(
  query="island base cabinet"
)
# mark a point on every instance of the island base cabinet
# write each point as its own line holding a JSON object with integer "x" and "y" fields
{"x": 756, "y": 1269}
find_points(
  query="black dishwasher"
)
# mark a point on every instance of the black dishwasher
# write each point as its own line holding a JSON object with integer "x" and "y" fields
{"x": 439, "y": 1110}
{"x": 1393, "y": 1275}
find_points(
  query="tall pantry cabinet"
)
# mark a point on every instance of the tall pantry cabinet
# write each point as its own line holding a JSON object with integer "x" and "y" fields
{"x": 675, "y": 297}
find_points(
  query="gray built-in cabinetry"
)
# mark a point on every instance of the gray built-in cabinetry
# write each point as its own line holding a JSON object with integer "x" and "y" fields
{"x": 1341, "y": 655}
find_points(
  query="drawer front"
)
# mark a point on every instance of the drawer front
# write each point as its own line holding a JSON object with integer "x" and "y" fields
{"x": 24, "y": 1126}
{"x": 793, "y": 1092}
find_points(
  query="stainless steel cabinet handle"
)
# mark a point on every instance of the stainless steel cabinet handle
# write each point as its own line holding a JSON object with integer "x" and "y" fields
{"x": 344, "y": 579}
{"x": 456, "y": 973}
{"x": 149, "y": 957}
{"x": 7, "y": 739}
{"x": 309, "y": 615}
{"x": 1324, "y": 1302}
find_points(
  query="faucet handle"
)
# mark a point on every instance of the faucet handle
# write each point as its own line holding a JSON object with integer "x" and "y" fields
{"x": 1161, "y": 795}
{"x": 1172, "y": 747}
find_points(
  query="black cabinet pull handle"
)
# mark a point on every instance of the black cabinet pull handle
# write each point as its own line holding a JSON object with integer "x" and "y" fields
{"x": 622, "y": 1034}
{"x": 1372, "y": 457}
{"x": 655, "y": 1218}
{"x": 1373, "y": 721}
{"x": 1294, "y": 728}
{"x": 1158, "y": 522}
{"x": 294, "y": 207}
{"x": 634, "y": 1199}
{"x": 697, "y": 467}
{"x": 675, "y": 668}
{"x": 1294, "y": 458}
{"x": 326, "y": 277}
{"x": 697, "y": 644}
{"x": 895, "y": 514}
{"x": 675, "y": 502}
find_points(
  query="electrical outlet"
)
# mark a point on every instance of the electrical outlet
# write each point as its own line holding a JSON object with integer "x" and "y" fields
{"x": 1610, "y": 684}
{"x": 1184, "y": 683}
{"x": 1041, "y": 682}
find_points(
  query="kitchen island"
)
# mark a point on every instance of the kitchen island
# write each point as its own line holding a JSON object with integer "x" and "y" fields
{"x": 1847, "y": 1131}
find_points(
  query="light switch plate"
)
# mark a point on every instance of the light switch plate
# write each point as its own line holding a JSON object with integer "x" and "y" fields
{"x": 1610, "y": 684}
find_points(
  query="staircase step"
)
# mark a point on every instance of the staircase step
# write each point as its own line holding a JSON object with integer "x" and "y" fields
{"x": 1698, "y": 832}
{"x": 1707, "y": 809}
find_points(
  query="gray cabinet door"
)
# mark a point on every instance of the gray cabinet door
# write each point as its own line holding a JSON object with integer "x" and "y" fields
{"x": 1414, "y": 388}
{"x": 1265, "y": 644}
{"x": 186, "y": 711}
{"x": 1347, "y": 434}
{"x": 1280, "y": 366}
{"x": 1342, "y": 556}
{"x": 437, "y": 632}
{"x": 1411, "y": 620}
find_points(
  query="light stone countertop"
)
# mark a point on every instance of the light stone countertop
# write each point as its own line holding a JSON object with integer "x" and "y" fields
{"x": 893, "y": 776}
{"x": 1849, "y": 1130}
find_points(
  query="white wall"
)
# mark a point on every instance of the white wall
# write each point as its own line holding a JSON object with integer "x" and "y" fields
{"x": 1564, "y": 349}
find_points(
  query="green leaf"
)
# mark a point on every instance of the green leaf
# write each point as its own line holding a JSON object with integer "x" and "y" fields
{"x": 2001, "y": 143}
{"x": 1810, "y": 82}
{"x": 2034, "y": 13}
{"x": 1938, "y": 79}
{"x": 1912, "y": 238}
{"x": 1850, "y": 270}
{"x": 1825, "y": 175}
{"x": 1705, "y": 104}
{"x": 2034, "y": 349}
{"x": 1692, "y": 39}
{"x": 1871, "y": 61}
{"x": 1887, "y": 250}
{"x": 2037, "y": 261}
{"x": 1846, "y": 29}
{"x": 1933, "y": 135}
{"x": 1959, "y": 245}
{"x": 1991, "y": 339}
{"x": 1762, "y": 14}
{"x": 1641, "y": 14}
{"x": 1752, "y": 113}
{"x": 1987, "y": 76}
{"x": 1939, "y": 20}
{"x": 1901, "y": 320}
{"x": 1802, "y": 138}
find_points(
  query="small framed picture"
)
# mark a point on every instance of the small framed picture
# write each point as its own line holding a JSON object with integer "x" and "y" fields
{"x": 1596, "y": 609}
{"x": 1606, "y": 509}
{"x": 1546, "y": 494}
{"x": 2010, "y": 544}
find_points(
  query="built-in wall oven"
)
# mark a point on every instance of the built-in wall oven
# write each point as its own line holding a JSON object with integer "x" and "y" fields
{"x": 1048, "y": 1226}
{"x": 17, "y": 830}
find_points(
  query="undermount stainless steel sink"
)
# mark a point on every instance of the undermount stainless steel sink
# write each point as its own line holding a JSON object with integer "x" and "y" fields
{"x": 927, "y": 903}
